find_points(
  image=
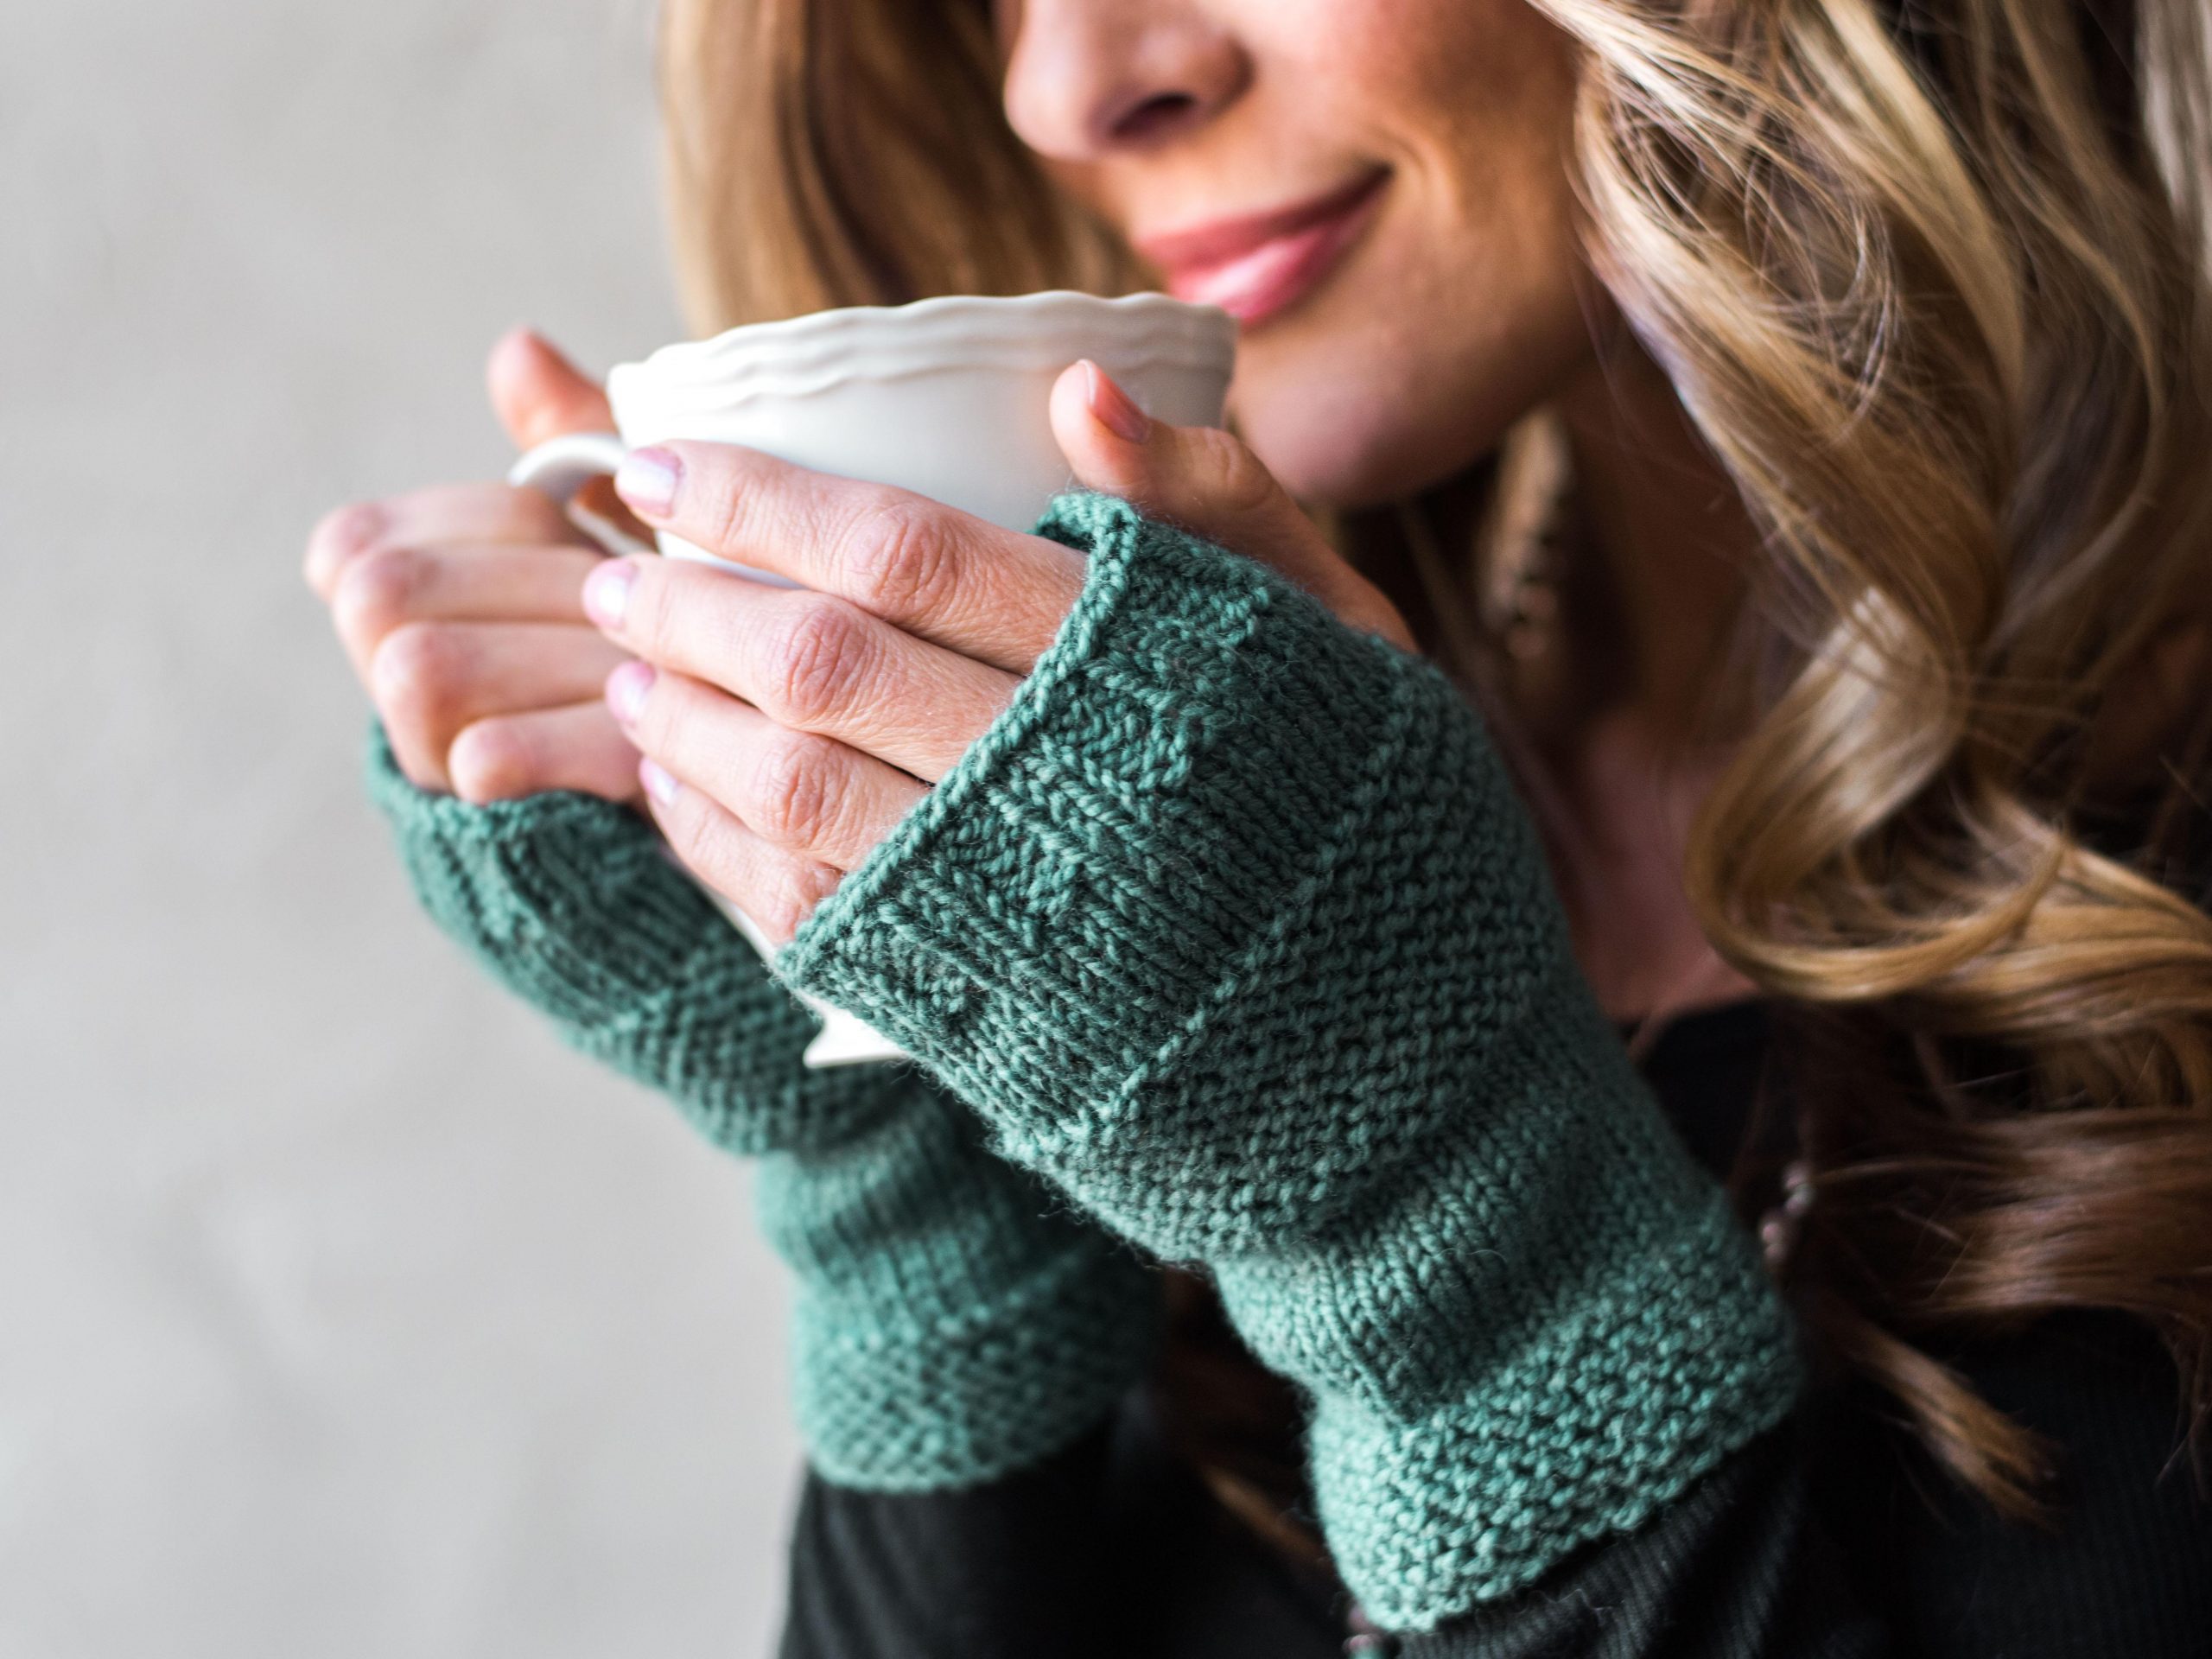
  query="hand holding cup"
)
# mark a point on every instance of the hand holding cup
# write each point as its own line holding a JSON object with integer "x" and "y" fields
{"x": 460, "y": 608}
{"x": 785, "y": 729}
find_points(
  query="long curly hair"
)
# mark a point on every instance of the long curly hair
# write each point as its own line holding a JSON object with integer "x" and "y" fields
{"x": 1934, "y": 282}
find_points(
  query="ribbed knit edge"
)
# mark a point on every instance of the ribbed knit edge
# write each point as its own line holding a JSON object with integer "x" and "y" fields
{"x": 571, "y": 902}
{"x": 1621, "y": 1343}
{"x": 1420, "y": 1527}
{"x": 1000, "y": 1392}
{"x": 522, "y": 845}
{"x": 956, "y": 1319}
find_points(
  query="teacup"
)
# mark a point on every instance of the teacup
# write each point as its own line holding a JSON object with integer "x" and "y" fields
{"x": 944, "y": 396}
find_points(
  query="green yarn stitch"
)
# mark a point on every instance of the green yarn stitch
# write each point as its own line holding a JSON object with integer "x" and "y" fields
{"x": 1232, "y": 925}
{"x": 954, "y": 1321}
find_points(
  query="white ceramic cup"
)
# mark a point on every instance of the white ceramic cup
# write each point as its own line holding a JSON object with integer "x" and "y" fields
{"x": 944, "y": 396}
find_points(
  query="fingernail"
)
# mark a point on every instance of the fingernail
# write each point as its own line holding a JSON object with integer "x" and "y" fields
{"x": 659, "y": 785}
{"x": 626, "y": 689}
{"x": 647, "y": 481}
{"x": 1112, "y": 407}
{"x": 607, "y": 592}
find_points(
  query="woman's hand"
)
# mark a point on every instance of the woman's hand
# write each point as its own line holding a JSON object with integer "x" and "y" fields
{"x": 785, "y": 731}
{"x": 459, "y": 606}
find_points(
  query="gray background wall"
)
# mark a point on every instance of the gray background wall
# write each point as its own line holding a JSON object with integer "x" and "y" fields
{"x": 342, "y": 1312}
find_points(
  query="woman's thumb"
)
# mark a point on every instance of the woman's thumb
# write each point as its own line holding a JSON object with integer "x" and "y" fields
{"x": 538, "y": 394}
{"x": 1207, "y": 481}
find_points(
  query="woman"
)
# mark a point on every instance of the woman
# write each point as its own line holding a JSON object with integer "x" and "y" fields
{"x": 1787, "y": 423}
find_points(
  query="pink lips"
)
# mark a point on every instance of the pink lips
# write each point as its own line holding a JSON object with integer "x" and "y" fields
{"x": 1257, "y": 265}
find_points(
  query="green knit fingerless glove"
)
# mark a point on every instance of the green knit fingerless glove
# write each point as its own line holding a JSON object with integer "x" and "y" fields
{"x": 1233, "y": 925}
{"x": 953, "y": 1321}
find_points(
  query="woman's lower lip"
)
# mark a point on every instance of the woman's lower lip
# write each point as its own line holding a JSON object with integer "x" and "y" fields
{"x": 1277, "y": 274}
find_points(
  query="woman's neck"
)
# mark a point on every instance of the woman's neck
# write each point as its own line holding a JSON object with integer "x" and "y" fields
{"x": 1670, "y": 530}
{"x": 1673, "y": 544}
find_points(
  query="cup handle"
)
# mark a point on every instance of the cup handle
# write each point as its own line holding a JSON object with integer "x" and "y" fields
{"x": 560, "y": 467}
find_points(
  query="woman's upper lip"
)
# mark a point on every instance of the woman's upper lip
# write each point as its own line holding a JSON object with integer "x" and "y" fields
{"x": 1220, "y": 239}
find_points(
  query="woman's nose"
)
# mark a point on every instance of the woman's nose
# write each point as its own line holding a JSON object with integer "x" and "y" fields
{"x": 1086, "y": 78}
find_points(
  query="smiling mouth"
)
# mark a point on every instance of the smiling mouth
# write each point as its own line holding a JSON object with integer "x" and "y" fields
{"x": 1258, "y": 266}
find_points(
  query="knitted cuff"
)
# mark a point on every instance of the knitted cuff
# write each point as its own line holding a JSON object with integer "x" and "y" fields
{"x": 1233, "y": 924}
{"x": 1068, "y": 903}
{"x": 570, "y": 902}
{"x": 1551, "y": 1326}
{"x": 954, "y": 1322}
{"x": 1217, "y": 835}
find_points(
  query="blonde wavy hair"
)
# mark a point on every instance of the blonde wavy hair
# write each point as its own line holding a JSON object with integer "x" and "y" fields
{"x": 1935, "y": 285}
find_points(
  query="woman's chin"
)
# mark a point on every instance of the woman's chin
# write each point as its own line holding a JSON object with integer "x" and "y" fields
{"x": 1347, "y": 463}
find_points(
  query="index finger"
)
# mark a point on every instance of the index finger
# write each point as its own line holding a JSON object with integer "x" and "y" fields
{"x": 443, "y": 512}
{"x": 940, "y": 574}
